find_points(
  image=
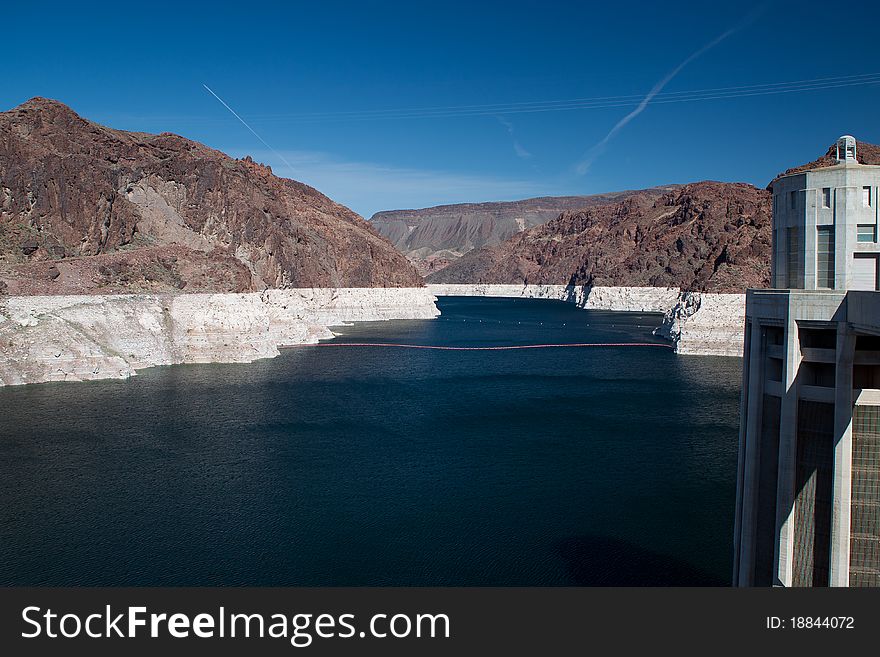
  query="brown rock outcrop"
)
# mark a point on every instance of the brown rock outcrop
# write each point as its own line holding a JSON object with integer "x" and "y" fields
{"x": 707, "y": 236}
{"x": 432, "y": 238}
{"x": 119, "y": 211}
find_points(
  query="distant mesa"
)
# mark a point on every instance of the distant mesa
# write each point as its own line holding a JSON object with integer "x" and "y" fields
{"x": 87, "y": 209}
{"x": 433, "y": 238}
{"x": 708, "y": 236}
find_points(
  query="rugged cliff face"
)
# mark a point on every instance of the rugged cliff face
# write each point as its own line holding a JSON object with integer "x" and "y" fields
{"x": 89, "y": 209}
{"x": 707, "y": 236}
{"x": 432, "y": 238}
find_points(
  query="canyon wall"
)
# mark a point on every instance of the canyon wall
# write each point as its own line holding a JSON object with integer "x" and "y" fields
{"x": 87, "y": 209}
{"x": 706, "y": 236}
{"x": 85, "y": 337}
{"x": 633, "y": 299}
{"x": 702, "y": 324}
{"x": 432, "y": 238}
{"x": 696, "y": 323}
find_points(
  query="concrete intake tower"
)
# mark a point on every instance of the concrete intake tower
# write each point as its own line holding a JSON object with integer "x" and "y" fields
{"x": 808, "y": 478}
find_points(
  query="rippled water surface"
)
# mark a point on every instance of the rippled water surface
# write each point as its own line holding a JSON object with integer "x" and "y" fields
{"x": 382, "y": 466}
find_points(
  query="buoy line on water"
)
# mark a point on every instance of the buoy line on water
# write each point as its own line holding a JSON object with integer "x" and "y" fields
{"x": 493, "y": 348}
{"x": 545, "y": 325}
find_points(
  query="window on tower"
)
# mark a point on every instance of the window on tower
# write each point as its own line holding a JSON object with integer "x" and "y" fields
{"x": 825, "y": 257}
{"x": 867, "y": 233}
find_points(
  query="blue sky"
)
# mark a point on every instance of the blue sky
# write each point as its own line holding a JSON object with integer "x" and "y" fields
{"x": 343, "y": 92}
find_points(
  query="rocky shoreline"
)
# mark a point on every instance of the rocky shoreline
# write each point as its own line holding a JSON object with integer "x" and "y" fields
{"x": 704, "y": 324}
{"x": 88, "y": 337}
{"x": 697, "y": 323}
{"x": 635, "y": 299}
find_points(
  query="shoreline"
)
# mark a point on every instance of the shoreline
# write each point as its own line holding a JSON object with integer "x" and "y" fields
{"x": 91, "y": 337}
{"x": 696, "y": 323}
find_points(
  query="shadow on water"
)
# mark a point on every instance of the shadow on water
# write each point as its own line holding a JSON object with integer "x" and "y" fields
{"x": 384, "y": 467}
{"x": 607, "y": 561}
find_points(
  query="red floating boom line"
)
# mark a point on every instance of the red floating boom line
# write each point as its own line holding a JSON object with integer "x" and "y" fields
{"x": 497, "y": 348}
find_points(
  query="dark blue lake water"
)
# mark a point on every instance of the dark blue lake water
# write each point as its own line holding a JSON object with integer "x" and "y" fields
{"x": 381, "y": 466}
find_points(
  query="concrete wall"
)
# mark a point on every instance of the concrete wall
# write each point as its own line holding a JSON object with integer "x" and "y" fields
{"x": 844, "y": 213}
{"x": 802, "y": 348}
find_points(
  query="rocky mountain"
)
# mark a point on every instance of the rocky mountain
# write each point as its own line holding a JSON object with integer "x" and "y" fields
{"x": 434, "y": 237}
{"x": 89, "y": 209}
{"x": 708, "y": 236}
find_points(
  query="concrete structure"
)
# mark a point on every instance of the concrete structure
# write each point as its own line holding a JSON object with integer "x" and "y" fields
{"x": 825, "y": 226}
{"x": 808, "y": 480}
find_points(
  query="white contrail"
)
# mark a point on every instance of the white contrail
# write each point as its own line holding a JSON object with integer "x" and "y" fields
{"x": 254, "y": 132}
{"x": 584, "y": 165}
{"x": 521, "y": 152}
